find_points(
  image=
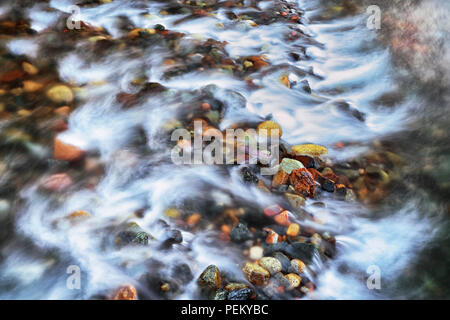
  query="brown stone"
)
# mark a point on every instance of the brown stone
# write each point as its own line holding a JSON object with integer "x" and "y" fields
{"x": 66, "y": 152}
{"x": 303, "y": 182}
{"x": 127, "y": 292}
{"x": 279, "y": 179}
{"x": 57, "y": 182}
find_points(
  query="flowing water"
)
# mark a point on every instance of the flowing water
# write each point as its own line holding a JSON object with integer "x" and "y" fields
{"x": 393, "y": 84}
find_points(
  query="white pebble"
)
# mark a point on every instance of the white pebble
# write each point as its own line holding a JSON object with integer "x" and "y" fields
{"x": 256, "y": 253}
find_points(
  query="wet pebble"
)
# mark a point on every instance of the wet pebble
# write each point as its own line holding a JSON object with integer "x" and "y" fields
{"x": 293, "y": 230}
{"x": 126, "y": 293}
{"x": 182, "y": 272}
{"x": 256, "y": 252}
{"x": 302, "y": 251}
{"x": 133, "y": 234}
{"x": 298, "y": 266}
{"x": 66, "y": 152}
{"x": 256, "y": 274}
{"x": 220, "y": 294}
{"x": 294, "y": 279}
{"x": 271, "y": 264}
{"x": 60, "y": 94}
{"x": 328, "y": 185}
{"x": 210, "y": 278}
{"x": 295, "y": 200}
{"x": 284, "y": 260}
{"x": 240, "y": 233}
{"x": 240, "y": 294}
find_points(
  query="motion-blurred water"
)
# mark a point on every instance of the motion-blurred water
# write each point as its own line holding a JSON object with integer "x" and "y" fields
{"x": 396, "y": 76}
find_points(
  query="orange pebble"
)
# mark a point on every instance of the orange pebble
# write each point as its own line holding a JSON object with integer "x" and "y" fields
{"x": 62, "y": 111}
{"x": 272, "y": 237}
{"x": 206, "y": 106}
{"x": 225, "y": 228}
{"x": 127, "y": 292}
{"x": 283, "y": 219}
{"x": 340, "y": 145}
{"x": 79, "y": 213}
{"x": 293, "y": 230}
{"x": 193, "y": 219}
{"x": 272, "y": 210}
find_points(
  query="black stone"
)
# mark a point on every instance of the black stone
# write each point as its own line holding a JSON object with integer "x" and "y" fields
{"x": 160, "y": 27}
{"x": 285, "y": 262}
{"x": 220, "y": 294}
{"x": 240, "y": 233}
{"x": 304, "y": 84}
{"x": 249, "y": 175}
{"x": 182, "y": 272}
{"x": 302, "y": 251}
{"x": 241, "y": 294}
{"x": 328, "y": 185}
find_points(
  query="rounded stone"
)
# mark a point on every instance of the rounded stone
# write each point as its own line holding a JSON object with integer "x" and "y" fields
{"x": 256, "y": 274}
{"x": 294, "y": 279}
{"x": 256, "y": 252}
{"x": 271, "y": 264}
{"x": 298, "y": 265}
{"x": 60, "y": 94}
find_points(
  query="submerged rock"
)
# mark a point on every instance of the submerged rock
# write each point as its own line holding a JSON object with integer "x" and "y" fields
{"x": 256, "y": 252}
{"x": 173, "y": 236}
{"x": 256, "y": 274}
{"x": 328, "y": 185}
{"x": 57, "y": 182}
{"x": 240, "y": 233}
{"x": 302, "y": 251}
{"x": 133, "y": 234}
{"x": 295, "y": 200}
{"x": 182, "y": 272}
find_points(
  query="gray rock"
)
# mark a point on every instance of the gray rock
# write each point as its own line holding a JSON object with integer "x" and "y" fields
{"x": 240, "y": 294}
{"x": 240, "y": 233}
{"x": 273, "y": 265}
{"x": 302, "y": 251}
{"x": 221, "y": 294}
{"x": 285, "y": 262}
